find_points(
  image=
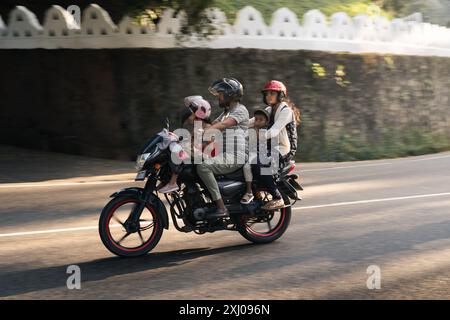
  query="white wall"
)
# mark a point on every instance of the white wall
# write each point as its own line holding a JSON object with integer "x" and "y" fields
{"x": 338, "y": 33}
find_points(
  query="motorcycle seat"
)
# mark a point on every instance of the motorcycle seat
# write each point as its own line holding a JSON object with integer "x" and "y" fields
{"x": 237, "y": 175}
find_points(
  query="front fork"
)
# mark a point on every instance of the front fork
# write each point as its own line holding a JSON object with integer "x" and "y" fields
{"x": 132, "y": 223}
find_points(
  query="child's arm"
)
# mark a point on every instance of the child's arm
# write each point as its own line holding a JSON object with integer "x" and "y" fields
{"x": 251, "y": 122}
{"x": 284, "y": 118}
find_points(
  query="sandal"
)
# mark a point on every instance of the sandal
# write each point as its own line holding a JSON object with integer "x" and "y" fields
{"x": 247, "y": 198}
{"x": 274, "y": 205}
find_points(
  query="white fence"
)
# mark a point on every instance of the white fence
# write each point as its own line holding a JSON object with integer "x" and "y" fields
{"x": 339, "y": 33}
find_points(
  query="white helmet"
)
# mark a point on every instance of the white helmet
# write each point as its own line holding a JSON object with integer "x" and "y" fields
{"x": 199, "y": 106}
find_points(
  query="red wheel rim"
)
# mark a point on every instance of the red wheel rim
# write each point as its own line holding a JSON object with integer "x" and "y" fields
{"x": 146, "y": 243}
{"x": 270, "y": 232}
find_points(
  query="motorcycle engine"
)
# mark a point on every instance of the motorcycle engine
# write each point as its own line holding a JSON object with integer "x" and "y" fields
{"x": 201, "y": 212}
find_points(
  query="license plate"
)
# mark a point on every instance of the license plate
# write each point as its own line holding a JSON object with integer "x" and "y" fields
{"x": 141, "y": 175}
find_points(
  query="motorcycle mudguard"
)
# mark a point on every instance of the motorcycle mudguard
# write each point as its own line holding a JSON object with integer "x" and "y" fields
{"x": 294, "y": 180}
{"x": 153, "y": 200}
{"x": 289, "y": 189}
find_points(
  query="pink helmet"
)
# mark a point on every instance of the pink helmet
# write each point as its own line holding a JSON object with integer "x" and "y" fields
{"x": 199, "y": 106}
{"x": 275, "y": 85}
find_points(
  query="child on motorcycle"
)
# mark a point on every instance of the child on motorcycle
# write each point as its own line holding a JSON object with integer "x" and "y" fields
{"x": 253, "y": 170}
{"x": 198, "y": 109}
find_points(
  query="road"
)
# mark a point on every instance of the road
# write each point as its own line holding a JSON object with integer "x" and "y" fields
{"x": 394, "y": 214}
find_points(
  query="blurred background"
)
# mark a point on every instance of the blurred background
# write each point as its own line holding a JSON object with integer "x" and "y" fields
{"x": 371, "y": 77}
{"x": 84, "y": 84}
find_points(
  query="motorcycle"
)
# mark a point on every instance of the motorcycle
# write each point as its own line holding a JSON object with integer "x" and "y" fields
{"x": 132, "y": 222}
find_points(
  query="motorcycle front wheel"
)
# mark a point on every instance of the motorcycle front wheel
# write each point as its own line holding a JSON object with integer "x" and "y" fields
{"x": 129, "y": 244}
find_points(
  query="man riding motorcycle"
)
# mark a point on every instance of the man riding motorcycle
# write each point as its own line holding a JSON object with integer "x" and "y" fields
{"x": 235, "y": 116}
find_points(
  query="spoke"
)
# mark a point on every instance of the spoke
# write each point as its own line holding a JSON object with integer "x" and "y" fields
{"x": 148, "y": 227}
{"x": 251, "y": 223}
{"x": 269, "y": 224}
{"x": 140, "y": 236}
{"x": 123, "y": 238}
{"x": 118, "y": 220}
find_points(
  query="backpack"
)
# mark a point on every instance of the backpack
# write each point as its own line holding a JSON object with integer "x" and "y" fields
{"x": 291, "y": 129}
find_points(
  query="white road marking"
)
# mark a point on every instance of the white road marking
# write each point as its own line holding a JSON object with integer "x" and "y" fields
{"x": 337, "y": 204}
{"x": 347, "y": 167}
{"x": 376, "y": 164}
{"x": 297, "y": 208}
{"x": 54, "y": 231}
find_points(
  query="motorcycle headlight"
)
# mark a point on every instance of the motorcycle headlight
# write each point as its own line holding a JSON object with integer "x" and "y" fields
{"x": 140, "y": 161}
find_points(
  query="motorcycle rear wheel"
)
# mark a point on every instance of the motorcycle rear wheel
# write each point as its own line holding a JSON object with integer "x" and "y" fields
{"x": 246, "y": 227}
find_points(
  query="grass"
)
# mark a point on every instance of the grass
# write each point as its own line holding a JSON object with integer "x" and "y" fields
{"x": 300, "y": 7}
{"x": 392, "y": 144}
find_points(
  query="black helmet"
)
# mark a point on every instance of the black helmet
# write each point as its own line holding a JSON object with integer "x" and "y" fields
{"x": 232, "y": 89}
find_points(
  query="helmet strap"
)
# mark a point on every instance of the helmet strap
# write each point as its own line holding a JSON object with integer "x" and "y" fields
{"x": 280, "y": 96}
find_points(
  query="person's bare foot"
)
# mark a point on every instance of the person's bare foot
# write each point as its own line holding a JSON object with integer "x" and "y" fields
{"x": 221, "y": 210}
{"x": 219, "y": 213}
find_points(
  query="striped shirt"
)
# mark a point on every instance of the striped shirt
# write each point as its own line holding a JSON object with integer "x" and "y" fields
{"x": 236, "y": 135}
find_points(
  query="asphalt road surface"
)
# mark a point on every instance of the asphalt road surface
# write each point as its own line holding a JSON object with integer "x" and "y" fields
{"x": 392, "y": 214}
